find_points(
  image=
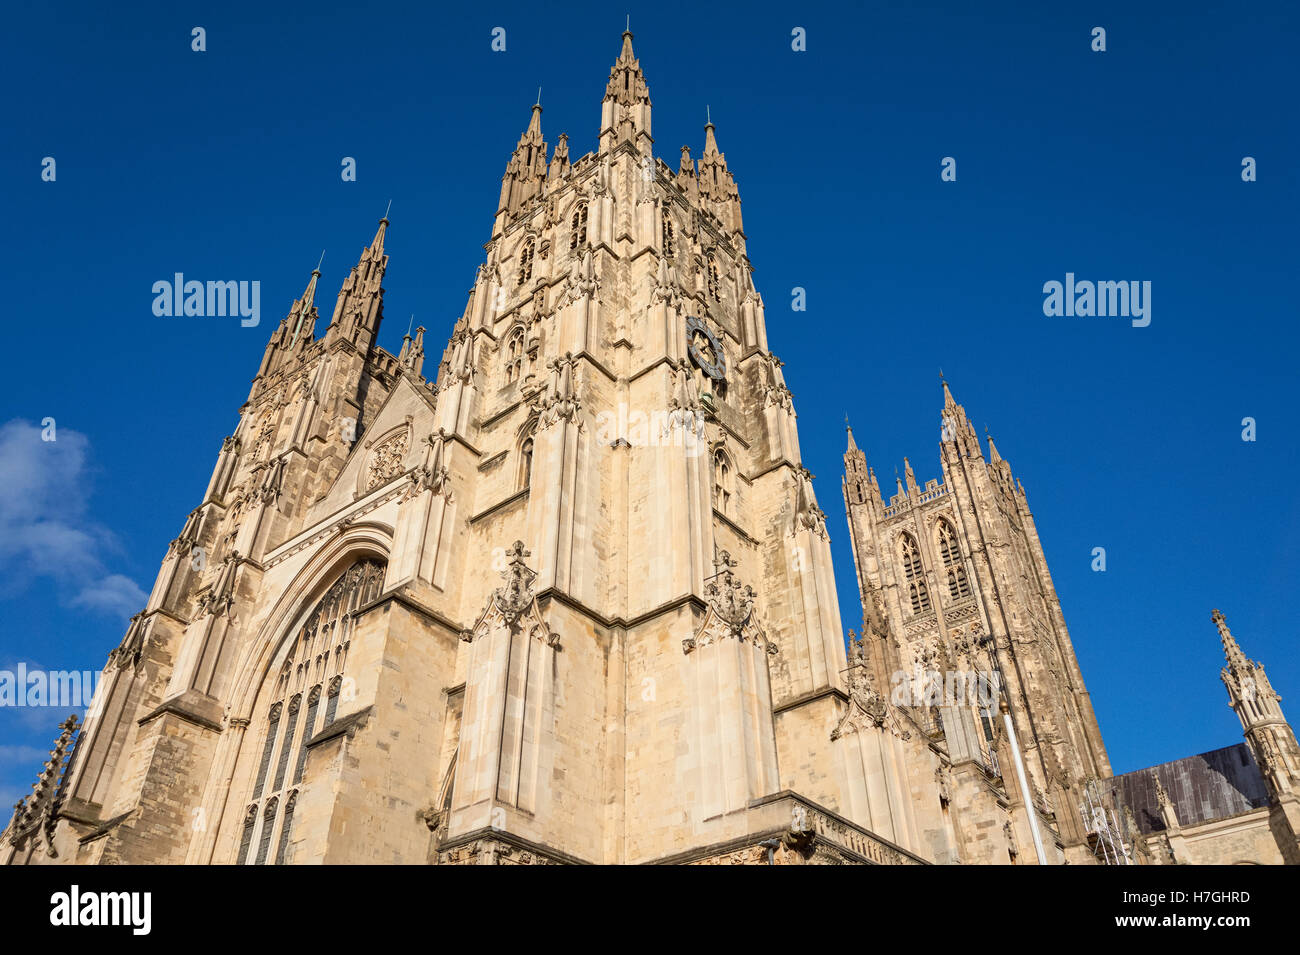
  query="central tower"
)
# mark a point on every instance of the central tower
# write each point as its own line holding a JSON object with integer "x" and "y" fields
{"x": 610, "y": 402}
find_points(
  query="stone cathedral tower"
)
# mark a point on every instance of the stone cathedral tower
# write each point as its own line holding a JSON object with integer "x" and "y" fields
{"x": 953, "y": 578}
{"x": 1270, "y": 737}
{"x": 566, "y": 598}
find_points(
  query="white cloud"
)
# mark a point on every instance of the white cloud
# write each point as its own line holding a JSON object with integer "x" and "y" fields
{"x": 44, "y": 529}
{"x": 23, "y": 755}
{"x": 114, "y": 594}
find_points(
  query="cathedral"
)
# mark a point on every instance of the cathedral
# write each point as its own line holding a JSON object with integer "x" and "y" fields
{"x": 564, "y": 594}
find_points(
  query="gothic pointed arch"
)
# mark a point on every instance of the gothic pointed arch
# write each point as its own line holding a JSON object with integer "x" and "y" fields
{"x": 724, "y": 480}
{"x": 950, "y": 554}
{"x": 526, "y": 444}
{"x": 310, "y": 665}
{"x": 526, "y": 261}
{"x": 914, "y": 575}
{"x": 516, "y": 354}
{"x": 578, "y": 227}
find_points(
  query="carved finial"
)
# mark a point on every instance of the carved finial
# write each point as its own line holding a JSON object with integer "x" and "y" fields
{"x": 516, "y": 596}
{"x": 1162, "y": 797}
{"x": 1231, "y": 651}
{"x": 723, "y": 562}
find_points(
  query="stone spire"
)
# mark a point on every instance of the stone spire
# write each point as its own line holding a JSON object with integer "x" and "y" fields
{"x": 525, "y": 172}
{"x": 999, "y": 466}
{"x": 559, "y": 167}
{"x": 686, "y": 178}
{"x": 955, "y": 428}
{"x": 360, "y": 305}
{"x": 913, "y": 489}
{"x": 412, "y": 353}
{"x": 859, "y": 480}
{"x": 304, "y": 326}
{"x": 1271, "y": 739}
{"x": 717, "y": 185}
{"x": 625, "y": 110}
{"x": 1238, "y": 664}
{"x": 296, "y": 330}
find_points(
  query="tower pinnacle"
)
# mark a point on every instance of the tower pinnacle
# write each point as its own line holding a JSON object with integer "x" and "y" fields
{"x": 307, "y": 306}
{"x": 360, "y": 306}
{"x": 716, "y": 184}
{"x": 1231, "y": 651}
{"x": 525, "y": 172}
{"x": 625, "y": 110}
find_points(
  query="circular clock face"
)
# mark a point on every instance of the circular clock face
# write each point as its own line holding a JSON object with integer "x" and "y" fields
{"x": 705, "y": 349}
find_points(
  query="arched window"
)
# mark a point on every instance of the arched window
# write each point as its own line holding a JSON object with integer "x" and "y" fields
{"x": 918, "y": 593}
{"x": 578, "y": 227}
{"x": 526, "y": 457}
{"x": 668, "y": 232}
{"x": 286, "y": 827}
{"x": 246, "y": 841}
{"x": 526, "y": 262}
{"x": 723, "y": 481}
{"x": 515, "y": 356}
{"x": 712, "y": 268}
{"x": 316, "y": 654}
{"x": 950, "y": 554}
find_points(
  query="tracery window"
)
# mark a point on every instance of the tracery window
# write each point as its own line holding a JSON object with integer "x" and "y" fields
{"x": 950, "y": 554}
{"x": 713, "y": 278}
{"x": 526, "y": 263}
{"x": 723, "y": 481}
{"x": 917, "y": 591}
{"x": 578, "y": 227}
{"x": 313, "y": 665}
{"x": 515, "y": 356}
{"x": 525, "y": 463}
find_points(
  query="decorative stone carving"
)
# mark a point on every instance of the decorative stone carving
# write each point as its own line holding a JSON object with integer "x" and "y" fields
{"x": 868, "y": 706}
{"x": 514, "y": 604}
{"x": 517, "y": 594}
{"x": 684, "y": 401}
{"x": 581, "y": 281}
{"x": 433, "y": 475}
{"x": 665, "y": 287}
{"x": 268, "y": 490}
{"x": 40, "y": 810}
{"x": 557, "y": 400}
{"x": 730, "y": 613}
{"x": 128, "y": 652}
{"x": 808, "y": 516}
{"x": 386, "y": 460}
{"x": 189, "y": 534}
{"x": 221, "y": 596}
{"x": 459, "y": 366}
{"x": 801, "y": 833}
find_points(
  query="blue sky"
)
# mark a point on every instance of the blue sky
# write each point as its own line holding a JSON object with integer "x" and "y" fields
{"x": 1116, "y": 165}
